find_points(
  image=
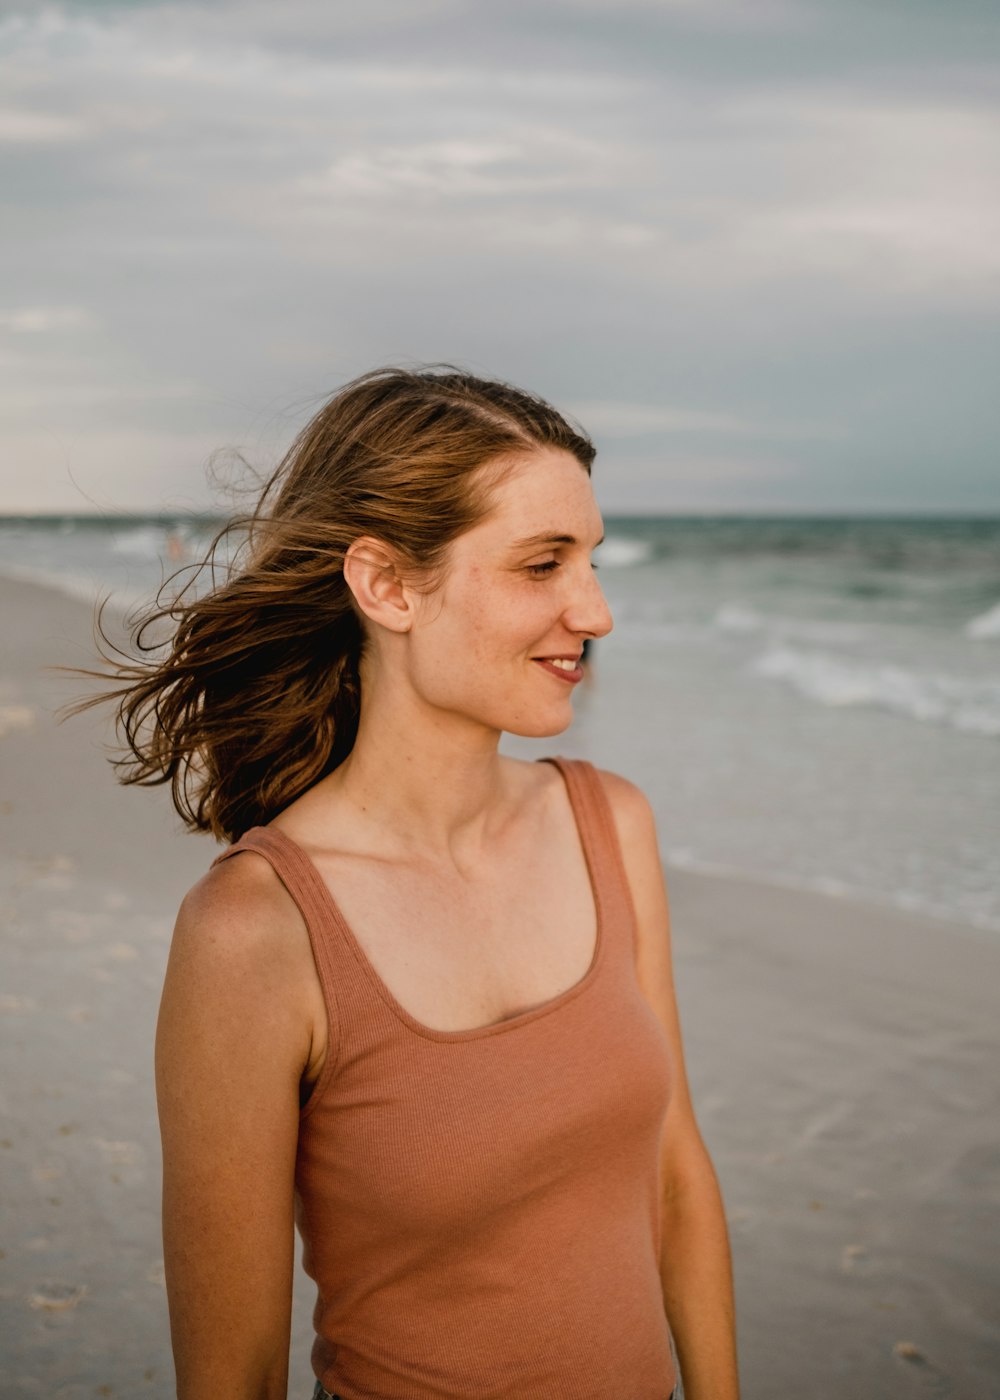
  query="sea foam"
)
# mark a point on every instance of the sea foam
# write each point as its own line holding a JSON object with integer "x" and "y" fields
{"x": 965, "y": 704}
{"x": 618, "y": 552}
{"x": 143, "y": 542}
{"x": 985, "y": 626}
{"x": 739, "y": 617}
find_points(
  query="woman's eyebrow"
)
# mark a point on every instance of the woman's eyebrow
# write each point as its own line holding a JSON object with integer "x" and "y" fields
{"x": 543, "y": 538}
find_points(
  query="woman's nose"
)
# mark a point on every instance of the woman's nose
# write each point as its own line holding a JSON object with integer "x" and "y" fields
{"x": 589, "y": 611}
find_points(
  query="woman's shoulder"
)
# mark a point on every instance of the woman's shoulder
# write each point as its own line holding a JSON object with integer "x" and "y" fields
{"x": 239, "y": 875}
{"x": 631, "y": 807}
{"x": 638, "y": 840}
{"x": 237, "y": 910}
{"x": 631, "y": 810}
{"x": 239, "y": 957}
{"x": 629, "y": 803}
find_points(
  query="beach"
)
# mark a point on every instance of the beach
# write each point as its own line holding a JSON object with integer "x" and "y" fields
{"x": 843, "y": 1058}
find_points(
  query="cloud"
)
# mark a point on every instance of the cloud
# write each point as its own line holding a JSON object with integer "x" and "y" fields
{"x": 106, "y": 469}
{"x": 694, "y": 481}
{"x": 56, "y": 400}
{"x": 441, "y": 168}
{"x": 723, "y": 234}
{"x": 875, "y": 199}
{"x": 20, "y": 125}
{"x": 528, "y": 160}
{"x": 626, "y": 420}
{"x": 36, "y": 320}
{"x": 893, "y": 192}
{"x": 736, "y": 15}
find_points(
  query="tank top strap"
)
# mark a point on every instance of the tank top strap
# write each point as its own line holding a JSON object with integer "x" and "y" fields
{"x": 303, "y": 882}
{"x": 601, "y": 846}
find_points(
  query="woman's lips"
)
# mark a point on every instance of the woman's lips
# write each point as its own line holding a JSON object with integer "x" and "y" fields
{"x": 571, "y": 677}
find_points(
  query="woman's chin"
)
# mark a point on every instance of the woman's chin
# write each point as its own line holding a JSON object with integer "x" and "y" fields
{"x": 540, "y": 728}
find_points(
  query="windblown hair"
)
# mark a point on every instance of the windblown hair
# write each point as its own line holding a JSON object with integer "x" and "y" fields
{"x": 257, "y": 693}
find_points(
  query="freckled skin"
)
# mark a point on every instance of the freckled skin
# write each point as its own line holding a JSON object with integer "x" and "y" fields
{"x": 472, "y": 645}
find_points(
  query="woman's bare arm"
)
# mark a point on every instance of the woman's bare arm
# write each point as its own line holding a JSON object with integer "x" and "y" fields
{"x": 696, "y": 1266}
{"x": 232, "y": 1041}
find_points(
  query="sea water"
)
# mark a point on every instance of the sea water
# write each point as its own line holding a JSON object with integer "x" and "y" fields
{"x": 811, "y": 701}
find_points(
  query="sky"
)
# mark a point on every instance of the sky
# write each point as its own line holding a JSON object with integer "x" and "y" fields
{"x": 752, "y": 246}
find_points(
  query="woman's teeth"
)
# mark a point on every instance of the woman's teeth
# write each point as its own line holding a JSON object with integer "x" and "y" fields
{"x": 557, "y": 661}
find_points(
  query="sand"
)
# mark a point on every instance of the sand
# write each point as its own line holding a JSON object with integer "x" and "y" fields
{"x": 843, "y": 1058}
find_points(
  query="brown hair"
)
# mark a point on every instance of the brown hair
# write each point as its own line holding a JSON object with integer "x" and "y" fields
{"x": 257, "y": 693}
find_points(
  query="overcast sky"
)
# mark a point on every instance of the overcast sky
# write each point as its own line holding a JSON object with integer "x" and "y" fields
{"x": 752, "y": 245}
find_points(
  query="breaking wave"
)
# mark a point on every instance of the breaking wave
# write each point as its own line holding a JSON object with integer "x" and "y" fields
{"x": 972, "y": 706}
{"x": 738, "y": 617}
{"x": 620, "y": 552}
{"x": 985, "y": 626}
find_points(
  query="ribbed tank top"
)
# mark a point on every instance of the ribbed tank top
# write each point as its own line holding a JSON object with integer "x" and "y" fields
{"x": 479, "y": 1209}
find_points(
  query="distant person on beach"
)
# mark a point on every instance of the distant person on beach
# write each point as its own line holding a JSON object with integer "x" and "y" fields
{"x": 175, "y": 548}
{"x": 422, "y": 1006}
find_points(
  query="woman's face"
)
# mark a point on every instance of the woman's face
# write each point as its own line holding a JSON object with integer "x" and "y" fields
{"x": 518, "y": 587}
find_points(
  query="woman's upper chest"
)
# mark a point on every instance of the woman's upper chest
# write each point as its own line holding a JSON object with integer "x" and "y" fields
{"x": 463, "y": 950}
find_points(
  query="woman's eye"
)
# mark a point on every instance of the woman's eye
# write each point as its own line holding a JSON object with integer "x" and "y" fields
{"x": 545, "y": 568}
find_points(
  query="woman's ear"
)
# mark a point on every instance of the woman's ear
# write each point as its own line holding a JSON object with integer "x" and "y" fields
{"x": 373, "y": 574}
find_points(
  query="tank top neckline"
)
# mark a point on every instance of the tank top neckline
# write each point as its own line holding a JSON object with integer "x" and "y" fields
{"x": 588, "y": 841}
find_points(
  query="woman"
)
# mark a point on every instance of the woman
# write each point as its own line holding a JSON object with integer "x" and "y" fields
{"x": 422, "y": 1007}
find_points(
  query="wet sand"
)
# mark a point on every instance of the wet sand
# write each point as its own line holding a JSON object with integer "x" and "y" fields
{"x": 843, "y": 1058}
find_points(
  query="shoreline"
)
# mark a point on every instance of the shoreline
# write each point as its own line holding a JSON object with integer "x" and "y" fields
{"x": 841, "y": 1056}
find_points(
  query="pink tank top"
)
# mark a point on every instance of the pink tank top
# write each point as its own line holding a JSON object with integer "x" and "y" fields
{"x": 479, "y": 1209}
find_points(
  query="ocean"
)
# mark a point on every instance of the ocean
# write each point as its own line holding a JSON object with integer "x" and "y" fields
{"x": 813, "y": 702}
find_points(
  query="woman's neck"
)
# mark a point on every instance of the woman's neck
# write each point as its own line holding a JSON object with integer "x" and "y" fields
{"x": 413, "y": 785}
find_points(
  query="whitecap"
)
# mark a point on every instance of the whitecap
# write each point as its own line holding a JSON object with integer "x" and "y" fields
{"x": 144, "y": 542}
{"x": 985, "y": 626}
{"x": 972, "y": 706}
{"x": 620, "y": 552}
{"x": 684, "y": 858}
{"x": 734, "y": 617}
{"x": 739, "y": 617}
